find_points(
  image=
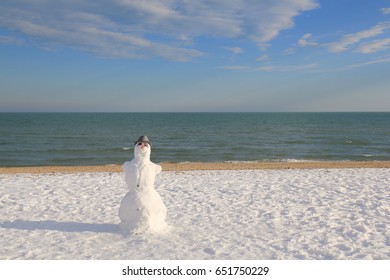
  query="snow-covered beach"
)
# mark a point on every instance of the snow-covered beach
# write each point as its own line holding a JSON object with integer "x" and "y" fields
{"x": 323, "y": 213}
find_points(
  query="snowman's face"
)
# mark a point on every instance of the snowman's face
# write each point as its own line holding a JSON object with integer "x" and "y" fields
{"x": 142, "y": 148}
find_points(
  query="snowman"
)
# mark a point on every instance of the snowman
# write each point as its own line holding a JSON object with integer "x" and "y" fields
{"x": 141, "y": 209}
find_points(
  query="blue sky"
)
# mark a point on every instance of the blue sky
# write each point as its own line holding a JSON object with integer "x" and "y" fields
{"x": 180, "y": 56}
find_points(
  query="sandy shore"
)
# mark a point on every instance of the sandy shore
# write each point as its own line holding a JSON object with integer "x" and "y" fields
{"x": 200, "y": 166}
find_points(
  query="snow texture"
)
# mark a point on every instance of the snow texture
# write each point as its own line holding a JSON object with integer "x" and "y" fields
{"x": 236, "y": 214}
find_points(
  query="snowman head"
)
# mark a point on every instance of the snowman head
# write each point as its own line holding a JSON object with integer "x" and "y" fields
{"x": 142, "y": 147}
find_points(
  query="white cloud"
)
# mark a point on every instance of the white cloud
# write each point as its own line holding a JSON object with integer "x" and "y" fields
{"x": 272, "y": 67}
{"x": 304, "y": 41}
{"x": 267, "y": 68}
{"x": 263, "y": 58}
{"x": 351, "y": 39}
{"x": 287, "y": 68}
{"x": 234, "y": 50}
{"x": 289, "y": 51}
{"x": 268, "y": 18}
{"x": 134, "y": 28}
{"x": 152, "y": 7}
{"x": 378, "y": 60}
{"x": 235, "y": 67}
{"x": 374, "y": 46}
{"x": 263, "y": 46}
{"x": 385, "y": 11}
{"x": 10, "y": 40}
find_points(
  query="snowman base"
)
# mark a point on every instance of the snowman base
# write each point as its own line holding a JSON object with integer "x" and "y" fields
{"x": 142, "y": 212}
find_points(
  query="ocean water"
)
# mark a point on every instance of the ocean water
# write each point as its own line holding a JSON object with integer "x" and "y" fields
{"x": 28, "y": 139}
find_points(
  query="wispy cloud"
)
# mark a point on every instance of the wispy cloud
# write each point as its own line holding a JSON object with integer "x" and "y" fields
{"x": 363, "y": 41}
{"x": 235, "y": 67}
{"x": 272, "y": 67}
{"x": 305, "y": 42}
{"x": 288, "y": 68}
{"x": 10, "y": 40}
{"x": 351, "y": 39}
{"x": 377, "y": 60}
{"x": 136, "y": 29}
{"x": 385, "y": 11}
{"x": 234, "y": 50}
{"x": 374, "y": 46}
{"x": 263, "y": 58}
{"x": 263, "y": 46}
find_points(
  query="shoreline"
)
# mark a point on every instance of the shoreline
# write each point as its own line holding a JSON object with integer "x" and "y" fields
{"x": 203, "y": 166}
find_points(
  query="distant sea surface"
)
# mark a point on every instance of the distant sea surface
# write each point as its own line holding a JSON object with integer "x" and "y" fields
{"x": 32, "y": 139}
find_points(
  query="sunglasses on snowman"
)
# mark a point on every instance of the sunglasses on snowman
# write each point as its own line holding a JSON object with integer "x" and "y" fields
{"x": 140, "y": 144}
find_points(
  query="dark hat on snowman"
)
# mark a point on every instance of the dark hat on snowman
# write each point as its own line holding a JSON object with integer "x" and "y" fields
{"x": 144, "y": 139}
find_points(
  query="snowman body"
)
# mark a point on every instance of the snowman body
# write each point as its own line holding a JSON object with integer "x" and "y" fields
{"x": 142, "y": 208}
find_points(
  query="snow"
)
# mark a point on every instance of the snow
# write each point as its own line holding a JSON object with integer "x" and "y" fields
{"x": 235, "y": 214}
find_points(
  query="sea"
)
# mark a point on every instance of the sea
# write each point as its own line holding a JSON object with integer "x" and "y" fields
{"x": 41, "y": 139}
